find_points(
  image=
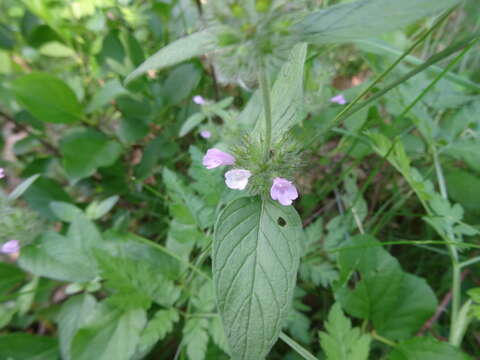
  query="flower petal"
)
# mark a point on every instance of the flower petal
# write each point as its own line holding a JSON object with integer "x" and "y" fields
{"x": 237, "y": 178}
{"x": 215, "y": 158}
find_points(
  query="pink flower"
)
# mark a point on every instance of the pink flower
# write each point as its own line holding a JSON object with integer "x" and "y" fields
{"x": 339, "y": 99}
{"x": 2, "y": 173}
{"x": 283, "y": 191}
{"x": 205, "y": 134}
{"x": 237, "y": 178}
{"x": 215, "y": 158}
{"x": 10, "y": 247}
{"x": 199, "y": 100}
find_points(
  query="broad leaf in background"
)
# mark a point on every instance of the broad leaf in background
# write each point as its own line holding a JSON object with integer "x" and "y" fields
{"x": 67, "y": 258}
{"x": 341, "y": 341}
{"x": 71, "y": 317}
{"x": 108, "y": 333}
{"x": 85, "y": 150}
{"x": 397, "y": 303}
{"x": 47, "y": 98}
{"x": 426, "y": 348}
{"x": 42, "y": 193}
{"x": 364, "y": 19}
{"x": 255, "y": 262}
{"x": 51, "y": 256}
{"x": 183, "y": 49}
{"x": 27, "y": 346}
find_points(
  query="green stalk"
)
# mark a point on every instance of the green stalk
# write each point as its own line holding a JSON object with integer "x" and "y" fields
{"x": 297, "y": 347}
{"x": 452, "y": 249}
{"x": 267, "y": 105}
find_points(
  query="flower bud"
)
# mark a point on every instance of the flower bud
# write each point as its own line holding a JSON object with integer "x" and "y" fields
{"x": 215, "y": 158}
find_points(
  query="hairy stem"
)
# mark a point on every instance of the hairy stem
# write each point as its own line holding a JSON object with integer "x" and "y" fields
{"x": 265, "y": 89}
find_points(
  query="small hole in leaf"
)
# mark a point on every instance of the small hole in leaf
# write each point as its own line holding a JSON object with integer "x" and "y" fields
{"x": 281, "y": 221}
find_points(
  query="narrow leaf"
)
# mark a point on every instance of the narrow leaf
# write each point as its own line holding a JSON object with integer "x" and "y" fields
{"x": 183, "y": 49}
{"x": 364, "y": 19}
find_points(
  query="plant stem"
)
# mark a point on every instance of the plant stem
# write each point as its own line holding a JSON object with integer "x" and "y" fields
{"x": 382, "y": 339}
{"x": 297, "y": 347}
{"x": 469, "y": 262}
{"x": 265, "y": 89}
{"x": 456, "y": 275}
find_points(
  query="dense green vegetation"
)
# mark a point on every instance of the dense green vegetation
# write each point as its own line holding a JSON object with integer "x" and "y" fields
{"x": 244, "y": 179}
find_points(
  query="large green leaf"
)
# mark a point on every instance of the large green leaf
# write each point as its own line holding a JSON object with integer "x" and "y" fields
{"x": 85, "y": 150}
{"x": 426, "y": 348}
{"x": 108, "y": 334}
{"x": 183, "y": 49}
{"x": 26, "y": 346}
{"x": 364, "y": 19}
{"x": 47, "y": 98}
{"x": 255, "y": 262}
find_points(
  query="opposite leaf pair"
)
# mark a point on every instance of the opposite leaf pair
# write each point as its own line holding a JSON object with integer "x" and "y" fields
{"x": 281, "y": 190}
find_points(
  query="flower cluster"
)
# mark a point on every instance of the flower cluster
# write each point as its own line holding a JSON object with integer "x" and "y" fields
{"x": 281, "y": 190}
{"x": 2, "y": 173}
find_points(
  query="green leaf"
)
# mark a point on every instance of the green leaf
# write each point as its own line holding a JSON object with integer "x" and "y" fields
{"x": 191, "y": 123}
{"x": 396, "y": 302}
{"x": 10, "y": 276}
{"x": 364, "y": 19}
{"x": 22, "y": 187}
{"x": 341, "y": 341}
{"x": 47, "y": 98}
{"x": 85, "y": 150}
{"x": 65, "y": 211}
{"x": 96, "y": 209}
{"x": 7, "y": 39}
{"x": 416, "y": 305}
{"x": 195, "y": 337}
{"x": 111, "y": 90}
{"x": 109, "y": 333}
{"x": 181, "y": 82}
{"x": 55, "y": 256}
{"x": 287, "y": 95}
{"x": 135, "y": 283}
{"x": 27, "y": 346}
{"x": 157, "y": 328}
{"x": 64, "y": 258}
{"x": 426, "y": 348}
{"x": 41, "y": 193}
{"x": 183, "y": 49}
{"x": 71, "y": 317}
{"x": 255, "y": 262}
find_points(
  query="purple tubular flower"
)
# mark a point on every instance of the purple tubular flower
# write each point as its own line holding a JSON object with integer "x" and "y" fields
{"x": 215, "y": 158}
{"x": 199, "y": 100}
{"x": 10, "y": 247}
{"x": 283, "y": 191}
{"x": 2, "y": 173}
{"x": 339, "y": 99}
{"x": 237, "y": 178}
{"x": 205, "y": 134}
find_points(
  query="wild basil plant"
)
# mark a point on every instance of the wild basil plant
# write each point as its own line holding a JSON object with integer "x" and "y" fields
{"x": 159, "y": 215}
